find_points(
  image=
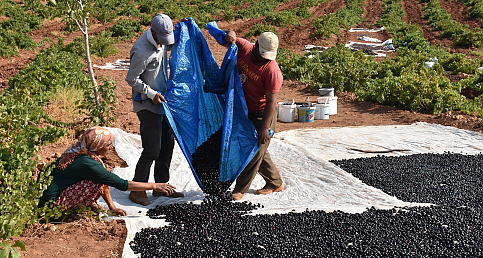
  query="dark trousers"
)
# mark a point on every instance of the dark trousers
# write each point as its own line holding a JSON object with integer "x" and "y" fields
{"x": 261, "y": 162}
{"x": 158, "y": 143}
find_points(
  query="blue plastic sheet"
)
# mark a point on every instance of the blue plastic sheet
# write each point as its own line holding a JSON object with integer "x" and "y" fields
{"x": 202, "y": 98}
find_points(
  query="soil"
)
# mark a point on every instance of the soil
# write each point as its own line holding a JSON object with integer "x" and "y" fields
{"x": 82, "y": 238}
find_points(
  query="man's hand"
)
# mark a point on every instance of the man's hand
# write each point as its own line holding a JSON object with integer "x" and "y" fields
{"x": 263, "y": 136}
{"x": 230, "y": 37}
{"x": 158, "y": 99}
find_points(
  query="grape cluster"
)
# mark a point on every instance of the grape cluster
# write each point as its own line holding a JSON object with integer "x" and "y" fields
{"x": 206, "y": 164}
{"x": 219, "y": 227}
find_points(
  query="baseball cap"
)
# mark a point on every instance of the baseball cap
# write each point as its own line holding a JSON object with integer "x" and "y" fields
{"x": 163, "y": 27}
{"x": 268, "y": 44}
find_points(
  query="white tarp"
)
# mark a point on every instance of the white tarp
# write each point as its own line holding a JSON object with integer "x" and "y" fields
{"x": 311, "y": 182}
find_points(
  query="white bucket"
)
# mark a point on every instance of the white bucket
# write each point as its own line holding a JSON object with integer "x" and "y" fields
{"x": 332, "y": 101}
{"x": 326, "y": 92}
{"x": 322, "y": 111}
{"x": 286, "y": 111}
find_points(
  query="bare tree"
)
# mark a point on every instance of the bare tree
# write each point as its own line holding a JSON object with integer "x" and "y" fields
{"x": 80, "y": 16}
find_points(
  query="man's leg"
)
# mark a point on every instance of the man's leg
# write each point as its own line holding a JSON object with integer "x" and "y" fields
{"x": 246, "y": 177}
{"x": 150, "y": 129}
{"x": 268, "y": 170}
{"x": 163, "y": 162}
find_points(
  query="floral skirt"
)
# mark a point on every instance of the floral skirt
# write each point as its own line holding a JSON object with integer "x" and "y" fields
{"x": 83, "y": 192}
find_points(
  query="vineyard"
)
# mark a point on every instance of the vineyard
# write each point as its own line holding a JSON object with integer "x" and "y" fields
{"x": 46, "y": 97}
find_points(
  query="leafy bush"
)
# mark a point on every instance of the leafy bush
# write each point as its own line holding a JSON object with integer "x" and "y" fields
{"x": 477, "y": 9}
{"x": 103, "y": 45}
{"x": 302, "y": 12}
{"x": 104, "y": 113}
{"x": 11, "y": 42}
{"x": 125, "y": 29}
{"x": 337, "y": 68}
{"x": 334, "y": 22}
{"x": 458, "y": 63}
{"x": 260, "y": 28}
{"x": 257, "y": 9}
{"x": 19, "y": 190}
{"x": 104, "y": 10}
{"x": 51, "y": 69}
{"x": 414, "y": 89}
{"x": 472, "y": 38}
{"x": 283, "y": 18}
{"x": 22, "y": 22}
{"x": 311, "y": 3}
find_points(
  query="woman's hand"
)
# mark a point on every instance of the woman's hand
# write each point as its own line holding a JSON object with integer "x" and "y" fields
{"x": 119, "y": 212}
{"x": 164, "y": 187}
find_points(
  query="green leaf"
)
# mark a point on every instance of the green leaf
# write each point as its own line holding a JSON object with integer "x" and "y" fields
{"x": 19, "y": 244}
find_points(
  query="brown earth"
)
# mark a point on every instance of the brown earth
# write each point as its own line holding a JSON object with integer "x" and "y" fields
{"x": 91, "y": 238}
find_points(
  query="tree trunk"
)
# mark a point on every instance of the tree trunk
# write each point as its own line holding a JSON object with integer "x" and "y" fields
{"x": 91, "y": 71}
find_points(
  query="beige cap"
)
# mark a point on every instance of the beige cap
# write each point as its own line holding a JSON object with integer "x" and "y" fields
{"x": 268, "y": 44}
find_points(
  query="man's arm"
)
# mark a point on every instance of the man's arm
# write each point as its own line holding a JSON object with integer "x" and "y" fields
{"x": 138, "y": 64}
{"x": 270, "y": 109}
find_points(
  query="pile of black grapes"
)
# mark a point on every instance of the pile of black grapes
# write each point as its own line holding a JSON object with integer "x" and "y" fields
{"x": 449, "y": 179}
{"x": 206, "y": 164}
{"x": 452, "y": 228}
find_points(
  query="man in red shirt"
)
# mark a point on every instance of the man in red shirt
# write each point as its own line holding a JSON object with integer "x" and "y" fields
{"x": 261, "y": 79}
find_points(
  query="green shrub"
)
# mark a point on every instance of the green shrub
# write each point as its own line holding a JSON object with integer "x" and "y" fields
{"x": 257, "y": 9}
{"x": 337, "y": 68}
{"x": 104, "y": 113}
{"x": 22, "y": 22}
{"x": 283, "y": 18}
{"x": 11, "y": 42}
{"x": 103, "y": 45}
{"x": 472, "y": 38}
{"x": 104, "y": 10}
{"x": 260, "y": 28}
{"x": 414, "y": 89}
{"x": 50, "y": 69}
{"x": 125, "y": 29}
{"x": 19, "y": 190}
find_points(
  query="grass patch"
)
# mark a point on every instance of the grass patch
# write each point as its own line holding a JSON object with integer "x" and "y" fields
{"x": 62, "y": 105}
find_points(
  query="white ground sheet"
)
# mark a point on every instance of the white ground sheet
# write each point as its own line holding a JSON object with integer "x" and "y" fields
{"x": 302, "y": 156}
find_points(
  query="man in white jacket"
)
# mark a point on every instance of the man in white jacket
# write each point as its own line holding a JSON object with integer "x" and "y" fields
{"x": 147, "y": 75}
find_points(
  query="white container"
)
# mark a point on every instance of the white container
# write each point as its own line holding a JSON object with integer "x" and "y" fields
{"x": 326, "y": 92}
{"x": 322, "y": 111}
{"x": 332, "y": 101}
{"x": 286, "y": 111}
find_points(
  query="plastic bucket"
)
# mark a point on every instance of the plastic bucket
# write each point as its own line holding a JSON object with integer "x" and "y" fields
{"x": 332, "y": 101}
{"x": 286, "y": 111}
{"x": 306, "y": 113}
{"x": 327, "y": 92}
{"x": 322, "y": 111}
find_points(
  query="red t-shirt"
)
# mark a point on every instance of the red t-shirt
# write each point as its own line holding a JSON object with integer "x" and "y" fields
{"x": 256, "y": 80}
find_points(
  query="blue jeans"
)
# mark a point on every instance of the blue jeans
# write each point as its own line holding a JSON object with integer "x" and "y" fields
{"x": 158, "y": 143}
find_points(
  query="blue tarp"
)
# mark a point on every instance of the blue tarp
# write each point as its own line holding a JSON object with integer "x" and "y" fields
{"x": 202, "y": 98}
